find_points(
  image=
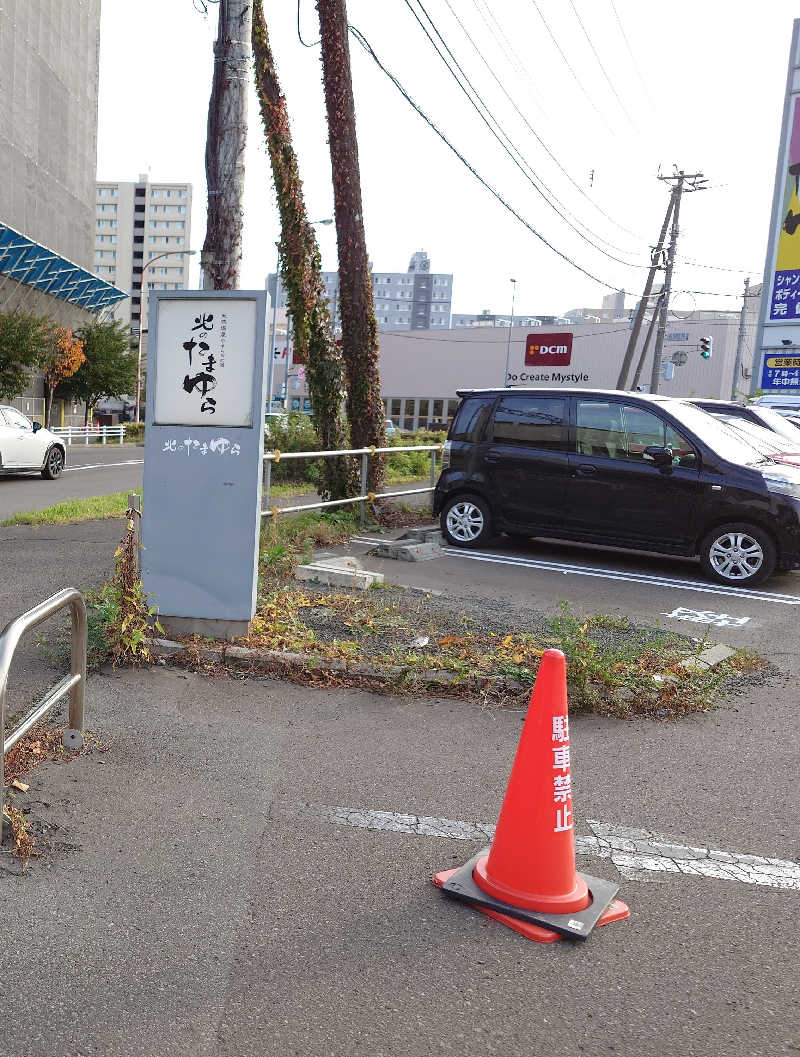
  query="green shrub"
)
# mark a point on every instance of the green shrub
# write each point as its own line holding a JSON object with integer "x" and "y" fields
{"x": 411, "y": 464}
{"x": 134, "y": 432}
{"x": 293, "y": 432}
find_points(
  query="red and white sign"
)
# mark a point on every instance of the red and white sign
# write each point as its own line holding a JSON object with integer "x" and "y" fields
{"x": 548, "y": 350}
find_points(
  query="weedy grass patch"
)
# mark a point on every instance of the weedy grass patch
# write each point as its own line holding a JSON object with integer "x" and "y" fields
{"x": 289, "y": 541}
{"x": 613, "y": 667}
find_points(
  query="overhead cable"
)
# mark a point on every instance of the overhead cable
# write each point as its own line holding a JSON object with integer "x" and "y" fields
{"x": 362, "y": 40}
{"x": 602, "y": 67}
{"x": 531, "y": 176}
{"x": 536, "y": 135}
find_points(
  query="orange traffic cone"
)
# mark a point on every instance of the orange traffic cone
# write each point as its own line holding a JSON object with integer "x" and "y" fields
{"x": 528, "y": 878}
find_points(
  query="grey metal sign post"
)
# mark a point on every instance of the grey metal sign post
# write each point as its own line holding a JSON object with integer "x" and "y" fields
{"x": 204, "y": 444}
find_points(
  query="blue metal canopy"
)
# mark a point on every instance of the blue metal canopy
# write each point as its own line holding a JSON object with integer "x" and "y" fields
{"x": 35, "y": 265}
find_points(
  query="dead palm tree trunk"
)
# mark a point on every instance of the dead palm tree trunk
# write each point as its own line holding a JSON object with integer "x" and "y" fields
{"x": 225, "y": 142}
{"x": 365, "y": 409}
{"x": 301, "y": 271}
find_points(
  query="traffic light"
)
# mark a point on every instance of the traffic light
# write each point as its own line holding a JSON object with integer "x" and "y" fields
{"x": 706, "y": 347}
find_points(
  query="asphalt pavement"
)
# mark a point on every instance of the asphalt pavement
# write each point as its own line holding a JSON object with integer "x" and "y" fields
{"x": 649, "y": 589}
{"x": 246, "y": 869}
{"x": 93, "y": 469}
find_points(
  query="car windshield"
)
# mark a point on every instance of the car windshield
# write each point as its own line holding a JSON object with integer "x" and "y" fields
{"x": 779, "y": 424}
{"x": 762, "y": 439}
{"x": 727, "y": 443}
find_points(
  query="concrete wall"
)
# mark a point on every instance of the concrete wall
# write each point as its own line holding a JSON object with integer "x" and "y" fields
{"x": 48, "y": 121}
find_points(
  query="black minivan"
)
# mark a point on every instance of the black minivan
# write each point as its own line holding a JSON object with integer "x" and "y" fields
{"x": 620, "y": 469}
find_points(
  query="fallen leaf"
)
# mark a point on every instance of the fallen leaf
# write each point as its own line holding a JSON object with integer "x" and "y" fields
{"x": 16, "y": 784}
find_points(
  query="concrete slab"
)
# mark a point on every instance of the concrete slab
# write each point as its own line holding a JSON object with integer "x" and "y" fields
{"x": 708, "y": 658}
{"x": 426, "y": 534}
{"x": 338, "y": 575}
{"x": 408, "y": 551}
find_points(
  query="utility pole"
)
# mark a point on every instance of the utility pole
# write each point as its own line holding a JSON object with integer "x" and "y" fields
{"x": 655, "y": 265}
{"x": 681, "y": 182}
{"x": 737, "y": 366}
{"x": 226, "y": 135}
{"x": 638, "y": 373}
{"x": 511, "y": 327}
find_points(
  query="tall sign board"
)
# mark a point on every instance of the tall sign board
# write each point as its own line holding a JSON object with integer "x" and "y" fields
{"x": 204, "y": 444}
{"x": 776, "y": 364}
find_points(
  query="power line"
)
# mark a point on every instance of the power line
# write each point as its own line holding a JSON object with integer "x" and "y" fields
{"x": 362, "y": 40}
{"x": 602, "y": 67}
{"x": 718, "y": 267}
{"x": 299, "y": 34}
{"x": 645, "y": 85}
{"x": 508, "y": 50}
{"x": 498, "y": 341}
{"x": 536, "y": 135}
{"x": 522, "y": 163}
{"x": 571, "y": 70}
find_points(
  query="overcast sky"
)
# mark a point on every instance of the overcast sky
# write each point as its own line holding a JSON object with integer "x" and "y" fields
{"x": 589, "y": 116}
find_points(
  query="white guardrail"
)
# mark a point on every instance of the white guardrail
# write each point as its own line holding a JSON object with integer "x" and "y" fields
{"x": 365, "y": 497}
{"x": 89, "y": 433}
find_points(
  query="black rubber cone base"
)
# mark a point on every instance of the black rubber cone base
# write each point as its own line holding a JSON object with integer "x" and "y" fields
{"x": 577, "y": 925}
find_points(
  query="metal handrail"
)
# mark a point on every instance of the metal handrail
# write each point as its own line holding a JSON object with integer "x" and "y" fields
{"x": 364, "y": 497}
{"x": 74, "y": 684}
{"x": 276, "y": 455}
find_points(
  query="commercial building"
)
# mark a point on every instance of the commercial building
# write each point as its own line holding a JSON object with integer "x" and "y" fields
{"x": 134, "y": 224}
{"x": 487, "y": 318}
{"x": 48, "y": 145}
{"x": 416, "y": 299}
{"x": 422, "y": 373}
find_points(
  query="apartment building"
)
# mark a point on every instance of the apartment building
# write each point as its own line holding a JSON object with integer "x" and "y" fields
{"x": 416, "y": 299}
{"x": 135, "y": 223}
{"x": 48, "y": 146}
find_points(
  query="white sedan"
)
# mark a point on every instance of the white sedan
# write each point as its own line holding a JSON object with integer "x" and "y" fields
{"x": 25, "y": 445}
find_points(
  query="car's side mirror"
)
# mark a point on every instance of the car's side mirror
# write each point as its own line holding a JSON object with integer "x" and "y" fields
{"x": 658, "y": 454}
{"x": 36, "y": 427}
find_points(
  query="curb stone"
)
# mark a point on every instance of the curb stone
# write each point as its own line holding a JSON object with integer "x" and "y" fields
{"x": 244, "y": 657}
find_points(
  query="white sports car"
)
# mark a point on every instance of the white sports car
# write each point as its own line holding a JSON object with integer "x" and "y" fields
{"x": 25, "y": 445}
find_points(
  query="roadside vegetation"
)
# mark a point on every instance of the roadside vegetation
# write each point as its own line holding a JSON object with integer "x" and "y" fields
{"x": 96, "y": 508}
{"x": 295, "y": 432}
{"x": 613, "y": 667}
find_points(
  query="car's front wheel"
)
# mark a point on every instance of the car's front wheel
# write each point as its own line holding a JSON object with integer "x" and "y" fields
{"x": 738, "y": 554}
{"x": 53, "y": 464}
{"x": 466, "y": 521}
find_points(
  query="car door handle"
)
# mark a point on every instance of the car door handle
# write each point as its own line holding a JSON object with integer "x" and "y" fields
{"x": 585, "y": 469}
{"x": 492, "y": 458}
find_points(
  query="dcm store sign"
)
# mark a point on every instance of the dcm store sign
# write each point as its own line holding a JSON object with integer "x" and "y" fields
{"x": 548, "y": 361}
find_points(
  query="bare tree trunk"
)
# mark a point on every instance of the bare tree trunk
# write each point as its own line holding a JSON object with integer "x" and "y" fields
{"x": 225, "y": 142}
{"x": 301, "y": 271}
{"x": 365, "y": 409}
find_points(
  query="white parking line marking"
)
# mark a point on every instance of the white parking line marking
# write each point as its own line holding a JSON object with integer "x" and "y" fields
{"x": 636, "y": 853}
{"x": 706, "y": 616}
{"x": 635, "y": 578}
{"x": 104, "y": 465}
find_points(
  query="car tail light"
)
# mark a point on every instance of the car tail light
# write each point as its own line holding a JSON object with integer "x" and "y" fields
{"x": 446, "y": 454}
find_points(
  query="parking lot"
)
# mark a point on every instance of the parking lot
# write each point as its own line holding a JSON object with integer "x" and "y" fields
{"x": 648, "y": 589}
